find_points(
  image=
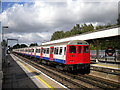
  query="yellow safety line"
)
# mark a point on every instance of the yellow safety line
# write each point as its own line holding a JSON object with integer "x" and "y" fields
{"x": 108, "y": 66}
{"x": 51, "y": 88}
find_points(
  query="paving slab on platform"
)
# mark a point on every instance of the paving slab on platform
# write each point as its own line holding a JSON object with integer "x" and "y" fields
{"x": 15, "y": 77}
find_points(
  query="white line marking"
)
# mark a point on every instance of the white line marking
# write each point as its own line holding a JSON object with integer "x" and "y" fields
{"x": 40, "y": 72}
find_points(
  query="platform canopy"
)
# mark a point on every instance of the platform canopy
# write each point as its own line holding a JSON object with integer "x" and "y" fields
{"x": 89, "y": 36}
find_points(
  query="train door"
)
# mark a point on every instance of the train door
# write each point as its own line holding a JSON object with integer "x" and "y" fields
{"x": 79, "y": 54}
{"x": 31, "y": 51}
{"x": 34, "y": 52}
{"x": 51, "y": 53}
{"x": 41, "y": 53}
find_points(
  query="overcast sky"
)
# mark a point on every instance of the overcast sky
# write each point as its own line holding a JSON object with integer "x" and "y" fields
{"x": 35, "y": 22}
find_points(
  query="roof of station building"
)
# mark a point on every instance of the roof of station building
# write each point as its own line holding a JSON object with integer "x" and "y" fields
{"x": 104, "y": 33}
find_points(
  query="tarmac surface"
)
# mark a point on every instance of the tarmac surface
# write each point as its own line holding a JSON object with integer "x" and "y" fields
{"x": 15, "y": 77}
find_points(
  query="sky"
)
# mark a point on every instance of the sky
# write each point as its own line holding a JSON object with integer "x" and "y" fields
{"x": 36, "y": 20}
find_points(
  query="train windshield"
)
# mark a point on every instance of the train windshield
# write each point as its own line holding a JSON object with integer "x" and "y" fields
{"x": 72, "y": 49}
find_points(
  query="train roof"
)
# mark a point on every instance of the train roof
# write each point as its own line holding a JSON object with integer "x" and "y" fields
{"x": 72, "y": 42}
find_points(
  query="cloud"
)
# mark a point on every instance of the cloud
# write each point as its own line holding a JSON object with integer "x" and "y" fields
{"x": 37, "y": 21}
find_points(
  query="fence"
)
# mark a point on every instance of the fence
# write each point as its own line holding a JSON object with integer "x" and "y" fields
{"x": 102, "y": 56}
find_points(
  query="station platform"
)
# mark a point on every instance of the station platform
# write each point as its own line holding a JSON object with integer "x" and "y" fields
{"x": 107, "y": 65}
{"x": 15, "y": 77}
{"x": 19, "y": 74}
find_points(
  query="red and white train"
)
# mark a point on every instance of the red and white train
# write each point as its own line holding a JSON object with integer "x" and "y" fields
{"x": 70, "y": 55}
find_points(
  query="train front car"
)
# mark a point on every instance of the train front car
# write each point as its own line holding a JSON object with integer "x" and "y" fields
{"x": 78, "y": 55}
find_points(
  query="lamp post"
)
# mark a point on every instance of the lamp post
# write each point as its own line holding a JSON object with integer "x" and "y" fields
{"x": 3, "y": 31}
{"x": 4, "y": 44}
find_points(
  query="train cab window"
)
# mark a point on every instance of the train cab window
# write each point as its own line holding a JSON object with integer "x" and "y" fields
{"x": 72, "y": 49}
{"x": 79, "y": 49}
{"x": 60, "y": 52}
{"x": 85, "y": 49}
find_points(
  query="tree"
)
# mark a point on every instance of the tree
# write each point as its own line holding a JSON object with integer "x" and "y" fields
{"x": 23, "y": 45}
{"x": 16, "y": 46}
{"x": 74, "y": 31}
{"x": 57, "y": 35}
{"x": 19, "y": 46}
{"x": 87, "y": 28}
{"x": 33, "y": 44}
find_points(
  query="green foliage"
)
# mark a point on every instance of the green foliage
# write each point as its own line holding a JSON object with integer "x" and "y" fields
{"x": 57, "y": 35}
{"x": 74, "y": 31}
{"x": 87, "y": 28}
{"x": 113, "y": 42}
{"x": 23, "y": 45}
{"x": 103, "y": 27}
{"x": 33, "y": 44}
{"x": 77, "y": 29}
{"x": 16, "y": 46}
{"x": 19, "y": 46}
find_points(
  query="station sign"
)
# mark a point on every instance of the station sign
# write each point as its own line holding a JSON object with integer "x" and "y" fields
{"x": 110, "y": 51}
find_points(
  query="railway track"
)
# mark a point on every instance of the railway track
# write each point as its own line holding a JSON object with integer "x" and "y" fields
{"x": 71, "y": 80}
{"x": 106, "y": 70}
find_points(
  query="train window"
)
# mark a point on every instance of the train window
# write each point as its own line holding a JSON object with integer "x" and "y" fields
{"x": 85, "y": 49}
{"x": 37, "y": 50}
{"x": 64, "y": 50}
{"x": 47, "y": 51}
{"x": 56, "y": 50}
{"x": 44, "y": 50}
{"x": 60, "y": 52}
{"x": 72, "y": 49}
{"x": 79, "y": 49}
{"x": 32, "y": 50}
